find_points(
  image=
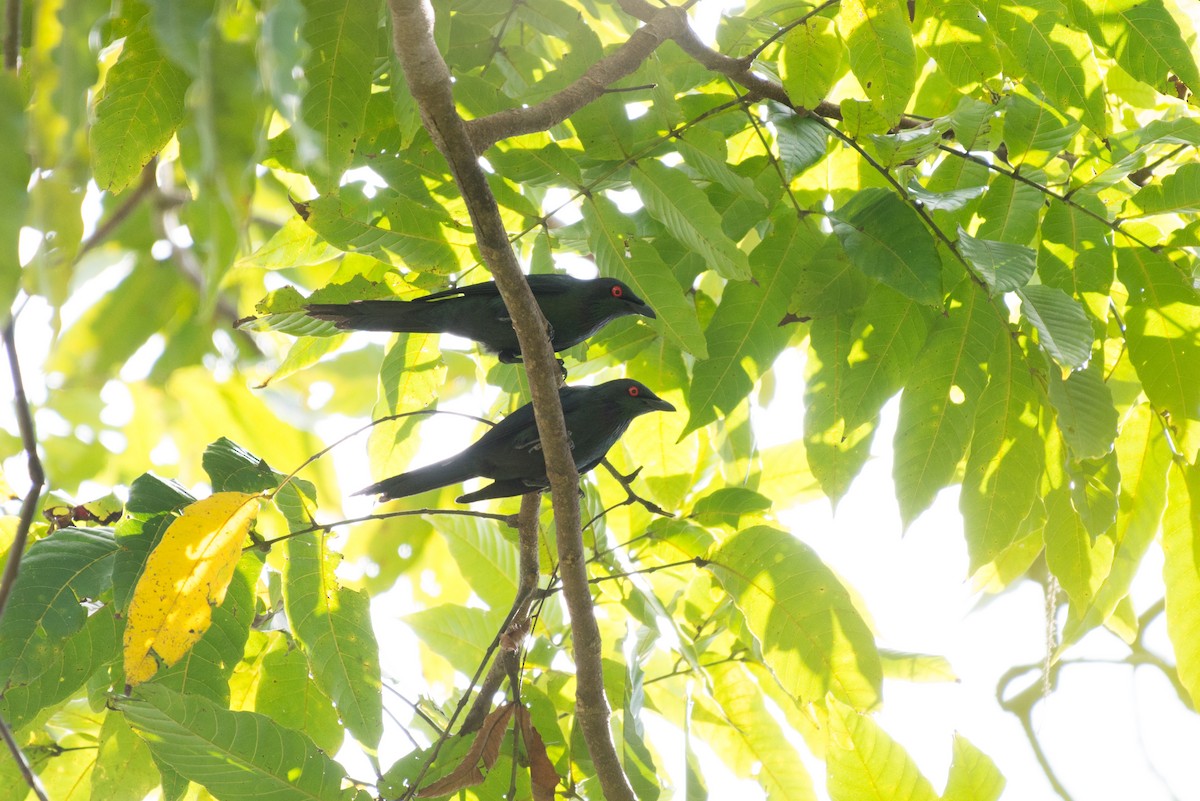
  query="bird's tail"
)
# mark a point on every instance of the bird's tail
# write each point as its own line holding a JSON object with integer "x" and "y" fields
{"x": 423, "y": 479}
{"x": 382, "y": 315}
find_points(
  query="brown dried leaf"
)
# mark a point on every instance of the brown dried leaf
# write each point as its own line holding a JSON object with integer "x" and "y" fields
{"x": 485, "y": 748}
{"x": 542, "y": 776}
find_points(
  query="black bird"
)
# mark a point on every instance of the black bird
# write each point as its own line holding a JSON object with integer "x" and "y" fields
{"x": 511, "y": 454}
{"x": 575, "y": 308}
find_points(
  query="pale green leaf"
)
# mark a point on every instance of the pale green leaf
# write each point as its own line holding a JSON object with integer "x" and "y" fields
{"x": 333, "y": 624}
{"x": 1178, "y": 193}
{"x": 865, "y": 764}
{"x": 1143, "y": 458}
{"x": 1145, "y": 39}
{"x": 341, "y": 36}
{"x": 812, "y": 638}
{"x": 1086, "y": 415}
{"x": 619, "y": 253}
{"x": 1160, "y": 328}
{"x": 746, "y": 324}
{"x": 1010, "y": 209}
{"x": 882, "y": 55}
{"x": 677, "y": 203}
{"x": 14, "y": 184}
{"x": 916, "y": 667}
{"x": 1006, "y": 456}
{"x": 937, "y": 407}
{"x": 1181, "y": 573}
{"x": 810, "y": 61}
{"x": 138, "y": 112}
{"x": 973, "y": 775}
{"x": 1078, "y": 562}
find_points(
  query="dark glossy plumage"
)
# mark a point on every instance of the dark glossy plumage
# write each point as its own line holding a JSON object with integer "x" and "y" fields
{"x": 575, "y": 308}
{"x": 511, "y": 454}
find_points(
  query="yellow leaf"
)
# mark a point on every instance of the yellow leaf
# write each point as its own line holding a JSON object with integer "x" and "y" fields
{"x": 186, "y": 575}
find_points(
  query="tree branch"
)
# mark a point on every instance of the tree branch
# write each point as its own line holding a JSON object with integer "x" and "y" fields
{"x": 37, "y": 480}
{"x": 529, "y": 572}
{"x": 429, "y": 82}
{"x": 664, "y": 23}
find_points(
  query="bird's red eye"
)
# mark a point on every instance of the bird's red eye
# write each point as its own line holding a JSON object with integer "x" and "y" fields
{"x": 634, "y": 392}
{"x": 617, "y": 291}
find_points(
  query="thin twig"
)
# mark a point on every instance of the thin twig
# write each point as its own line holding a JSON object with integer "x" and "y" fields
{"x": 756, "y": 52}
{"x": 508, "y": 520}
{"x": 144, "y": 188}
{"x": 37, "y": 480}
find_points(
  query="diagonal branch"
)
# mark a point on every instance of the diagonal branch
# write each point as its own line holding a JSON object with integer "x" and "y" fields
{"x": 429, "y": 81}
{"x": 665, "y": 23}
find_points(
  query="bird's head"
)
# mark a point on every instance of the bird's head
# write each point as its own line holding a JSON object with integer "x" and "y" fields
{"x": 634, "y": 397}
{"x": 618, "y": 298}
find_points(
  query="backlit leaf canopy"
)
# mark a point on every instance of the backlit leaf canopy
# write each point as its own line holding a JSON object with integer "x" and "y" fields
{"x": 954, "y": 241}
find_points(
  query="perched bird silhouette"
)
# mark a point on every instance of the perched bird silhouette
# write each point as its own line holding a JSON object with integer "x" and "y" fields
{"x": 575, "y": 308}
{"x": 511, "y": 453}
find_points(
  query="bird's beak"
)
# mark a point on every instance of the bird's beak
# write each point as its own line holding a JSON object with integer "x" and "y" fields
{"x": 659, "y": 404}
{"x": 640, "y": 307}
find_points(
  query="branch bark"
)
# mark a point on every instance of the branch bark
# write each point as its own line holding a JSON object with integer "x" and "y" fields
{"x": 428, "y": 79}
{"x": 662, "y": 24}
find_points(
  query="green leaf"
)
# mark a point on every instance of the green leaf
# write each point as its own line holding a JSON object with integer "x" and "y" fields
{"x": 1006, "y": 457}
{"x": 390, "y": 227}
{"x": 811, "y": 60}
{"x": 882, "y": 55}
{"x": 619, "y": 253}
{"x": 951, "y": 200}
{"x": 1086, "y": 415}
{"x": 334, "y": 626}
{"x": 746, "y": 323}
{"x": 753, "y": 743}
{"x": 124, "y": 770}
{"x": 1178, "y": 193}
{"x": 864, "y": 763}
{"x": 714, "y": 166}
{"x": 1181, "y": 573}
{"x": 855, "y": 373}
{"x": 727, "y": 505}
{"x": 672, "y": 199}
{"x": 457, "y": 634}
{"x": 1160, "y": 331}
{"x": 339, "y": 82}
{"x": 287, "y": 694}
{"x": 53, "y": 673}
{"x": 138, "y": 112}
{"x": 1079, "y": 563}
{"x": 488, "y": 562}
{"x": 912, "y": 145}
{"x": 1003, "y": 265}
{"x": 14, "y": 184}
{"x": 812, "y": 638}
{"x": 1056, "y": 57}
{"x": 887, "y": 240}
{"x": 938, "y": 405}
{"x": 295, "y": 244}
{"x": 231, "y": 467}
{"x": 1062, "y": 325}
{"x": 1143, "y": 458}
{"x": 543, "y": 164}
{"x": 1145, "y": 40}
{"x": 1010, "y": 209}
{"x": 961, "y": 42}
{"x": 973, "y": 775}
{"x": 235, "y": 755}
{"x": 802, "y": 142}
{"x": 916, "y": 667}
{"x": 58, "y": 573}
{"x": 1034, "y": 131}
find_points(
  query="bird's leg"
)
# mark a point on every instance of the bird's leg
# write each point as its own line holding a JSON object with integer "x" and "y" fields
{"x": 630, "y": 495}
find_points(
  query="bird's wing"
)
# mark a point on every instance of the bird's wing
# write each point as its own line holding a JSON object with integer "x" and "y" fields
{"x": 572, "y": 399}
{"x": 540, "y": 284}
